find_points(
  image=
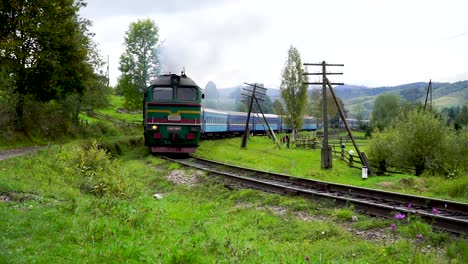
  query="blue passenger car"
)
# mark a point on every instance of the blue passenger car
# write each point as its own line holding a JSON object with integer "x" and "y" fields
{"x": 214, "y": 121}
{"x": 310, "y": 123}
{"x": 273, "y": 121}
{"x": 236, "y": 122}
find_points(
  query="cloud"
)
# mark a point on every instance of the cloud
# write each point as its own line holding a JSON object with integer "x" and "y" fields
{"x": 100, "y": 8}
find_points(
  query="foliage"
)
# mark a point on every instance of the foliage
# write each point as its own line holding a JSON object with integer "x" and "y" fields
{"x": 278, "y": 107}
{"x": 316, "y": 104}
{"x": 98, "y": 173}
{"x": 44, "y": 48}
{"x": 386, "y": 108}
{"x": 293, "y": 89}
{"x": 381, "y": 149}
{"x": 456, "y": 116}
{"x": 423, "y": 142}
{"x": 139, "y": 62}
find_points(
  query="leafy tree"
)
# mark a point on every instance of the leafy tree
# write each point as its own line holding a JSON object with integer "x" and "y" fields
{"x": 139, "y": 62}
{"x": 462, "y": 117}
{"x": 44, "y": 47}
{"x": 278, "y": 107}
{"x": 422, "y": 141}
{"x": 386, "y": 108}
{"x": 293, "y": 89}
{"x": 316, "y": 110}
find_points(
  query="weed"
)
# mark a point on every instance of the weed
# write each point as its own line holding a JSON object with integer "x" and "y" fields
{"x": 97, "y": 172}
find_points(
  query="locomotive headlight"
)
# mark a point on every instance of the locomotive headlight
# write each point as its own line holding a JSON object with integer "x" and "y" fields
{"x": 154, "y": 127}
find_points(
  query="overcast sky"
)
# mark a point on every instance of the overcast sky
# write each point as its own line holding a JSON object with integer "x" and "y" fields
{"x": 381, "y": 43}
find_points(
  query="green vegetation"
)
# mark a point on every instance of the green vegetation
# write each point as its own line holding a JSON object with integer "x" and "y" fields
{"x": 49, "y": 70}
{"x": 423, "y": 142}
{"x": 294, "y": 90}
{"x": 264, "y": 155}
{"x": 47, "y": 216}
{"x": 138, "y": 64}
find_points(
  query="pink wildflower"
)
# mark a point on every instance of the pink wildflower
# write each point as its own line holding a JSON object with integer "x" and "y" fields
{"x": 307, "y": 258}
{"x": 410, "y": 205}
{"x": 392, "y": 227}
{"x": 399, "y": 216}
{"x": 435, "y": 211}
{"x": 420, "y": 236}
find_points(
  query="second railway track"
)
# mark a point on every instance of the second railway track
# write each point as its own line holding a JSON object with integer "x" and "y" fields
{"x": 442, "y": 214}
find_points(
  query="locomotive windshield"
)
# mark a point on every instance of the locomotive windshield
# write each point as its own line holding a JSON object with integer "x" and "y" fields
{"x": 162, "y": 93}
{"x": 186, "y": 93}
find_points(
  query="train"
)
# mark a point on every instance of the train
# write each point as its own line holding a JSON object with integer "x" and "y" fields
{"x": 174, "y": 120}
{"x": 172, "y": 114}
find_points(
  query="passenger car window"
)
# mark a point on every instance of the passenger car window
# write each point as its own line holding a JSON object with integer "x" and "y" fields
{"x": 162, "y": 93}
{"x": 186, "y": 93}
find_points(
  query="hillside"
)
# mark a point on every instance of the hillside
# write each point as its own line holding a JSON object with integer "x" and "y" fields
{"x": 443, "y": 95}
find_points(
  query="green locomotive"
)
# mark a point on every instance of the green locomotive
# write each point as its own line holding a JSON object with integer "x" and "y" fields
{"x": 172, "y": 114}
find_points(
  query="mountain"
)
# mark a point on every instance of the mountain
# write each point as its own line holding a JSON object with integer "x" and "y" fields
{"x": 356, "y": 96}
{"x": 443, "y": 95}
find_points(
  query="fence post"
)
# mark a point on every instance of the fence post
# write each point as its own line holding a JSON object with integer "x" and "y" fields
{"x": 350, "y": 160}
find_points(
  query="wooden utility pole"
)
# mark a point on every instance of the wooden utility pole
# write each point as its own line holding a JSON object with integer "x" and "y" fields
{"x": 362, "y": 155}
{"x": 256, "y": 95}
{"x": 326, "y": 149}
{"x": 247, "y": 130}
{"x": 429, "y": 94}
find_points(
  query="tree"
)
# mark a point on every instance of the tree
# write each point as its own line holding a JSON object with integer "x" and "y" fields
{"x": 386, "y": 108}
{"x": 139, "y": 62}
{"x": 44, "y": 47}
{"x": 278, "y": 107}
{"x": 422, "y": 141}
{"x": 315, "y": 106}
{"x": 293, "y": 89}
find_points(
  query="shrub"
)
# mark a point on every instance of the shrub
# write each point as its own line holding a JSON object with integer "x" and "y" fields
{"x": 97, "y": 172}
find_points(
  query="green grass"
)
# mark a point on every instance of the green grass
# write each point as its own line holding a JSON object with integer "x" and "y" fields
{"x": 118, "y": 102}
{"x": 53, "y": 220}
{"x": 261, "y": 153}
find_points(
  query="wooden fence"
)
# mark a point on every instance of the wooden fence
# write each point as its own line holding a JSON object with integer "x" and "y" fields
{"x": 118, "y": 121}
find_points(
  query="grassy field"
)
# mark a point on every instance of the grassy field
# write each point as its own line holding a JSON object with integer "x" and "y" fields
{"x": 263, "y": 154}
{"x": 70, "y": 204}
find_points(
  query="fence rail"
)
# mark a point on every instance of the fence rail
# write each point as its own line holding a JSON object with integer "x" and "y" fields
{"x": 116, "y": 120}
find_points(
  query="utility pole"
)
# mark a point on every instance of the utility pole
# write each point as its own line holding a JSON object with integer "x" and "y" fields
{"x": 326, "y": 149}
{"x": 247, "y": 130}
{"x": 107, "y": 73}
{"x": 256, "y": 94}
{"x": 429, "y": 95}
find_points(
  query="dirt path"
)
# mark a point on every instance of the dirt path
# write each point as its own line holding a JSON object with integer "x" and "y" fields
{"x": 6, "y": 154}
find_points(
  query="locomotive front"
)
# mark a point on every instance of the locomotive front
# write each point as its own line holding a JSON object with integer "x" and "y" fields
{"x": 171, "y": 114}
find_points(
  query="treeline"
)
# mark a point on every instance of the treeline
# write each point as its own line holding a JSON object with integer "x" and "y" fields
{"x": 49, "y": 68}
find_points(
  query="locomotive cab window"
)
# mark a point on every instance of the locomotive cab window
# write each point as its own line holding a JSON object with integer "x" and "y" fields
{"x": 186, "y": 94}
{"x": 162, "y": 93}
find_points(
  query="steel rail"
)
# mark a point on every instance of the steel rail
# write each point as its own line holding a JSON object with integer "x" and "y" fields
{"x": 444, "y": 215}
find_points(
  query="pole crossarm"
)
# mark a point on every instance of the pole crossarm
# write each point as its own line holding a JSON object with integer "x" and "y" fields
{"x": 320, "y": 73}
{"x": 319, "y": 83}
{"x": 320, "y": 64}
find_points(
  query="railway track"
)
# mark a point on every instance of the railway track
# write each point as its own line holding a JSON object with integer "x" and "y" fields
{"x": 444, "y": 215}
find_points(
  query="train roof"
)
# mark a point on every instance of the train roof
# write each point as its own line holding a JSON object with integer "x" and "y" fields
{"x": 210, "y": 110}
{"x": 167, "y": 80}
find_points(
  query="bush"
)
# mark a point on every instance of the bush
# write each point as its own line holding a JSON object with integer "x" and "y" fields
{"x": 421, "y": 141}
{"x": 97, "y": 172}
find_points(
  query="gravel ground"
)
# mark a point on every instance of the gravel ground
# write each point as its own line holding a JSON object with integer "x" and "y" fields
{"x": 6, "y": 154}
